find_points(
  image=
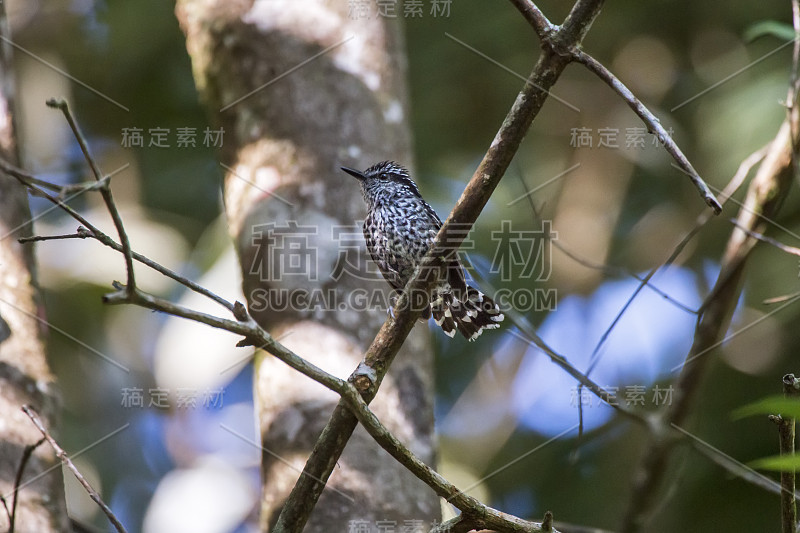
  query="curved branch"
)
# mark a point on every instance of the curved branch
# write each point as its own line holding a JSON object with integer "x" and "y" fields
{"x": 653, "y": 125}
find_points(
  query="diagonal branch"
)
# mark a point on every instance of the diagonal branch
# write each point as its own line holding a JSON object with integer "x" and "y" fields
{"x": 62, "y": 455}
{"x": 763, "y": 201}
{"x": 392, "y": 334}
{"x": 653, "y": 125}
{"x": 552, "y": 41}
{"x": 479, "y": 515}
{"x": 544, "y": 28}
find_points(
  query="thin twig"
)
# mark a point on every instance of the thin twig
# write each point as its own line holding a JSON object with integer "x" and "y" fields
{"x": 62, "y": 190}
{"x": 62, "y": 455}
{"x": 703, "y": 219}
{"x": 653, "y": 125}
{"x": 25, "y": 179}
{"x": 186, "y": 282}
{"x": 547, "y": 33}
{"x": 105, "y": 191}
{"x": 43, "y": 238}
{"x": 738, "y": 178}
{"x": 88, "y": 229}
{"x": 769, "y": 240}
{"x": 764, "y": 198}
{"x": 27, "y": 453}
{"x": 786, "y": 437}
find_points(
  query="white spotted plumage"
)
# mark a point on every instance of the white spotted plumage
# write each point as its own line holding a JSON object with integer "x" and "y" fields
{"x": 399, "y": 229}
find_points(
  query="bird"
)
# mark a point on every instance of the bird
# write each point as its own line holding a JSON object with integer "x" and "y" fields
{"x": 399, "y": 229}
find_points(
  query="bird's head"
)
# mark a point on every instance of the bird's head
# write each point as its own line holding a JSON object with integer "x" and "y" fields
{"x": 384, "y": 179}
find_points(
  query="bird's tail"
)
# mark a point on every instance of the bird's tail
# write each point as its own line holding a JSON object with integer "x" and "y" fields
{"x": 469, "y": 313}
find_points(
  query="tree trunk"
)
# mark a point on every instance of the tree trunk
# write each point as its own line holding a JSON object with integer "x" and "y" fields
{"x": 300, "y": 89}
{"x": 25, "y": 377}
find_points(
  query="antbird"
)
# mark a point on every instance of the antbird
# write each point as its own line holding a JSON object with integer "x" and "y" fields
{"x": 399, "y": 229}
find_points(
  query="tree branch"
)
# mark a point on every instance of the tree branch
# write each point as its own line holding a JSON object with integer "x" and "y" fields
{"x": 653, "y": 125}
{"x": 105, "y": 190}
{"x": 69, "y": 464}
{"x": 786, "y": 437}
{"x": 89, "y": 230}
{"x": 380, "y": 354}
{"x": 764, "y": 198}
{"x": 479, "y": 515}
{"x": 23, "y": 462}
{"x": 544, "y": 28}
{"x": 552, "y": 40}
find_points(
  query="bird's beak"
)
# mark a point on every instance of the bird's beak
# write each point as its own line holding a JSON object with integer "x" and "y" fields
{"x": 355, "y": 173}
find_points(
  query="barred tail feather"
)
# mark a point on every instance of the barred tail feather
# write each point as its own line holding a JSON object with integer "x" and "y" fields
{"x": 469, "y": 315}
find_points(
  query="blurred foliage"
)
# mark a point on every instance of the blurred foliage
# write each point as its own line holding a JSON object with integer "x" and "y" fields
{"x": 780, "y": 463}
{"x": 769, "y": 27}
{"x": 771, "y": 405}
{"x": 668, "y": 52}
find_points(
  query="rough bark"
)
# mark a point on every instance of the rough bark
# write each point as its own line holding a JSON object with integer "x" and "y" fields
{"x": 283, "y": 146}
{"x": 25, "y": 377}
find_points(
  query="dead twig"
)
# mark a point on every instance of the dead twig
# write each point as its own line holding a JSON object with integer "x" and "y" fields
{"x": 62, "y": 455}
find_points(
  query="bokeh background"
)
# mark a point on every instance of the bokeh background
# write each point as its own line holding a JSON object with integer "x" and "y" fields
{"x": 158, "y": 414}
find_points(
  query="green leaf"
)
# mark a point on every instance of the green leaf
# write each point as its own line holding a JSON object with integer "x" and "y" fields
{"x": 782, "y": 463}
{"x": 771, "y": 405}
{"x": 777, "y": 29}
